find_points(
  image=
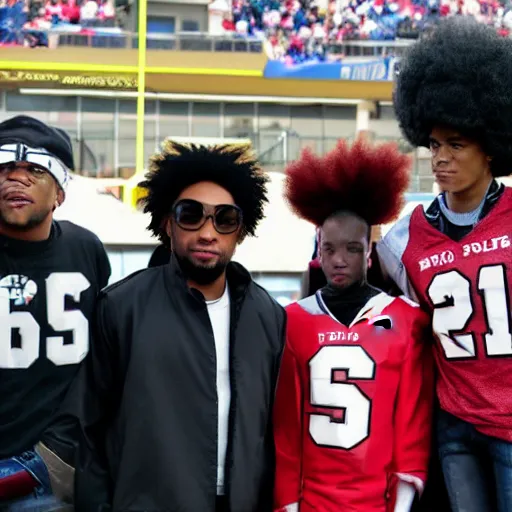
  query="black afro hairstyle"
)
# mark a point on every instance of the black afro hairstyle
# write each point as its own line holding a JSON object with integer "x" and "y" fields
{"x": 178, "y": 166}
{"x": 460, "y": 76}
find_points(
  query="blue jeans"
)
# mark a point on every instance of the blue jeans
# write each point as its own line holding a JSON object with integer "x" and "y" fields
{"x": 41, "y": 499}
{"x": 477, "y": 468}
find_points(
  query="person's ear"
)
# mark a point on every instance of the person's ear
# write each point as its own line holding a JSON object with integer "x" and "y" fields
{"x": 59, "y": 198}
{"x": 240, "y": 236}
{"x": 168, "y": 227}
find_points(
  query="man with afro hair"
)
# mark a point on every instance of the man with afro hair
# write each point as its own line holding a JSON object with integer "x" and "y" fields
{"x": 354, "y": 396}
{"x": 453, "y": 95}
{"x": 178, "y": 391}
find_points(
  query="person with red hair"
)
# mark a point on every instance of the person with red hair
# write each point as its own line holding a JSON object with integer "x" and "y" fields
{"x": 353, "y": 404}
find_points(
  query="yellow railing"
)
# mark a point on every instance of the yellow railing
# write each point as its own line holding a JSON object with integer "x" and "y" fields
{"x": 141, "y": 86}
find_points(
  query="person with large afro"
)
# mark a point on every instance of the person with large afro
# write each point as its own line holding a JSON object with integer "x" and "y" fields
{"x": 454, "y": 96}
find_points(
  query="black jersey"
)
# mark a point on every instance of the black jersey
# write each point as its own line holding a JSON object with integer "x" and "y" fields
{"x": 47, "y": 295}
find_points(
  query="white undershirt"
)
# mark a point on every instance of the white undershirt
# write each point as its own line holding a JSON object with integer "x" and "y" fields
{"x": 219, "y": 312}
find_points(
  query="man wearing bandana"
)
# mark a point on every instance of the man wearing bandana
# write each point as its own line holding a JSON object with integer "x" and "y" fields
{"x": 50, "y": 274}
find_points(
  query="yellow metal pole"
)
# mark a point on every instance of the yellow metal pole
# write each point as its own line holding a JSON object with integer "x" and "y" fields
{"x": 141, "y": 85}
{"x": 130, "y": 186}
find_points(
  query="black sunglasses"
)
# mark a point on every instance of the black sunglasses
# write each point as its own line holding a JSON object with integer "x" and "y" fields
{"x": 192, "y": 215}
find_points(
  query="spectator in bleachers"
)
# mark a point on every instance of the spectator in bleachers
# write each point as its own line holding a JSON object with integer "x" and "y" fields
{"x": 13, "y": 14}
{"x": 53, "y": 12}
{"x": 106, "y": 11}
{"x": 70, "y": 12}
{"x": 88, "y": 12}
{"x": 35, "y": 30}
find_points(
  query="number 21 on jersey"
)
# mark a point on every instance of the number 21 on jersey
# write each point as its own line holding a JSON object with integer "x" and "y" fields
{"x": 345, "y": 397}
{"x": 58, "y": 286}
{"x": 451, "y": 296}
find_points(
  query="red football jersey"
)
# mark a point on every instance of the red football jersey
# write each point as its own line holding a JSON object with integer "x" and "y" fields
{"x": 466, "y": 287}
{"x": 353, "y": 406}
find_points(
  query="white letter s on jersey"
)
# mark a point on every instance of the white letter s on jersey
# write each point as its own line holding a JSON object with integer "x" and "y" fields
{"x": 340, "y": 395}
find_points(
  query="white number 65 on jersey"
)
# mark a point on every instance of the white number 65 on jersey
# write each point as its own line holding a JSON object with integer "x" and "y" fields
{"x": 58, "y": 286}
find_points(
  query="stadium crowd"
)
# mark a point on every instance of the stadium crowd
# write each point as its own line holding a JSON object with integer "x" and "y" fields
{"x": 293, "y": 30}
{"x": 298, "y": 31}
{"x": 26, "y": 22}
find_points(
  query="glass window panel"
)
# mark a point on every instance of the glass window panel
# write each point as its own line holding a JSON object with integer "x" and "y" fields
{"x": 273, "y": 117}
{"x": 307, "y": 120}
{"x": 386, "y": 126}
{"x": 128, "y": 106}
{"x": 273, "y": 120}
{"x": 173, "y": 119}
{"x": 151, "y": 144}
{"x": 98, "y": 105}
{"x": 16, "y": 102}
{"x": 339, "y": 122}
{"x": 206, "y": 120}
{"x": 128, "y": 134}
{"x": 239, "y": 120}
{"x": 97, "y": 153}
{"x": 190, "y": 26}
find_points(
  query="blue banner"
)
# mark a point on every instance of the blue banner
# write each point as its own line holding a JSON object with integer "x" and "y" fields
{"x": 372, "y": 70}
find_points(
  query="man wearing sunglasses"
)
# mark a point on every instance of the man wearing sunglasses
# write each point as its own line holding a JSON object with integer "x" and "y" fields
{"x": 179, "y": 387}
{"x": 50, "y": 274}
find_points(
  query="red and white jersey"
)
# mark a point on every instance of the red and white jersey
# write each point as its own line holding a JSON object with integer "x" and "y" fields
{"x": 353, "y": 406}
{"x": 466, "y": 287}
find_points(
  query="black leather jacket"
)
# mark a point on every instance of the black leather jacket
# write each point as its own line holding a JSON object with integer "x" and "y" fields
{"x": 149, "y": 398}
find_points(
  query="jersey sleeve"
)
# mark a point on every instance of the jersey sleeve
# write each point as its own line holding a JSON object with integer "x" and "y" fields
{"x": 413, "y": 414}
{"x": 288, "y": 433}
{"x": 390, "y": 251}
{"x": 104, "y": 268}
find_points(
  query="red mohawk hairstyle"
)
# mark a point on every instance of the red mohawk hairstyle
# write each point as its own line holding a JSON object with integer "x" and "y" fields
{"x": 369, "y": 181}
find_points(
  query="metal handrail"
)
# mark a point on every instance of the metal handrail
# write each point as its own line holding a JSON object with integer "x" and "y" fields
{"x": 198, "y": 41}
{"x": 182, "y": 41}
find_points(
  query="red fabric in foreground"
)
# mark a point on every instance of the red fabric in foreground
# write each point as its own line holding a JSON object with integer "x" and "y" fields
{"x": 17, "y": 485}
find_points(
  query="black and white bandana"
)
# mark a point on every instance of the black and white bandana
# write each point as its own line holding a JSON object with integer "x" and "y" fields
{"x": 39, "y": 157}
